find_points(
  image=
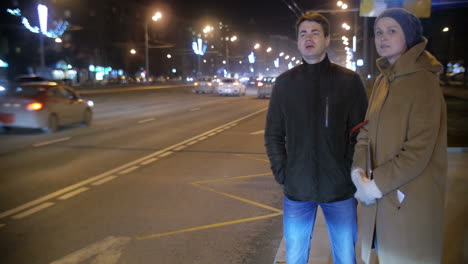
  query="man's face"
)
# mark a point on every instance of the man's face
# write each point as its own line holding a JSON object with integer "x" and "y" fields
{"x": 311, "y": 42}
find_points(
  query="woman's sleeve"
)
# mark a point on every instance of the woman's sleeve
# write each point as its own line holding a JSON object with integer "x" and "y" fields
{"x": 415, "y": 153}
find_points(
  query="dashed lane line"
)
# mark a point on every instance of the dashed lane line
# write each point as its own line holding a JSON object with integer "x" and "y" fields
{"x": 161, "y": 153}
{"x": 258, "y": 132}
{"x": 33, "y": 210}
{"x": 110, "y": 178}
{"x": 180, "y": 148}
{"x": 73, "y": 193}
{"x": 126, "y": 171}
{"x": 146, "y": 120}
{"x": 165, "y": 154}
{"x": 51, "y": 142}
{"x": 146, "y": 162}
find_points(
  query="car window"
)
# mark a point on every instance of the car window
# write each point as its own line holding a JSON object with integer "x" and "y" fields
{"x": 228, "y": 80}
{"x": 27, "y": 91}
{"x": 69, "y": 93}
{"x": 204, "y": 80}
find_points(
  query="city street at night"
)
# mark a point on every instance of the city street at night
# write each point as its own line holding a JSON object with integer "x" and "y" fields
{"x": 136, "y": 132}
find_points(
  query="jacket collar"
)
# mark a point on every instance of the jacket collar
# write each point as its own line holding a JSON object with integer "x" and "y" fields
{"x": 320, "y": 67}
{"x": 413, "y": 60}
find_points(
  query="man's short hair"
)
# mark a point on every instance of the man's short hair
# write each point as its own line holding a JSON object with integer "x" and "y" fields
{"x": 314, "y": 17}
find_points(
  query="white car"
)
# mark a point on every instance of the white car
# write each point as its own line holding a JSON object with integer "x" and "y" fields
{"x": 44, "y": 105}
{"x": 231, "y": 86}
{"x": 204, "y": 85}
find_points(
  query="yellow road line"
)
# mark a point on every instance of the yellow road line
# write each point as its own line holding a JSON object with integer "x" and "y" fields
{"x": 240, "y": 199}
{"x": 233, "y": 178}
{"x": 244, "y": 220}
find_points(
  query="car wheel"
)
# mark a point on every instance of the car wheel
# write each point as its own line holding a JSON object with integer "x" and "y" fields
{"x": 87, "y": 117}
{"x": 52, "y": 124}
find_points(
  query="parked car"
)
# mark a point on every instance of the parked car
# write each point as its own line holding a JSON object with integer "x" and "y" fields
{"x": 265, "y": 86}
{"x": 231, "y": 86}
{"x": 204, "y": 85}
{"x": 44, "y": 105}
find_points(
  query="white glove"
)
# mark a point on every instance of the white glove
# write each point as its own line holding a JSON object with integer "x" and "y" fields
{"x": 367, "y": 191}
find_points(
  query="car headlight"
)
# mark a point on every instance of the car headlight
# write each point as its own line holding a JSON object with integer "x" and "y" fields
{"x": 90, "y": 103}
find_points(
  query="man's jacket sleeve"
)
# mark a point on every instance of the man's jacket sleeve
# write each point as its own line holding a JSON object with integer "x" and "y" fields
{"x": 356, "y": 116}
{"x": 275, "y": 135}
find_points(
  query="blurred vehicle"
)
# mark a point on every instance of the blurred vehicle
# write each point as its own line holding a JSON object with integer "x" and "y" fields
{"x": 44, "y": 105}
{"x": 230, "y": 86}
{"x": 204, "y": 85}
{"x": 25, "y": 78}
{"x": 265, "y": 86}
{"x": 252, "y": 82}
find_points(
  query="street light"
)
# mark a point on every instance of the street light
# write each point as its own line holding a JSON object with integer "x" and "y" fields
{"x": 257, "y": 45}
{"x": 133, "y": 51}
{"x": 157, "y": 16}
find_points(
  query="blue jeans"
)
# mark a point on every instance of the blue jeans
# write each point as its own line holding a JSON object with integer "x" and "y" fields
{"x": 298, "y": 225}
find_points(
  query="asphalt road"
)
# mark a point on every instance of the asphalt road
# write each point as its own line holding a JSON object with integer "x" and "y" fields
{"x": 162, "y": 176}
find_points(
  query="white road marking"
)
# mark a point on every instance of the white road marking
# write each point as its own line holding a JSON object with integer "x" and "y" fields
{"x": 33, "y": 210}
{"x": 212, "y": 134}
{"x": 191, "y": 143}
{"x": 149, "y": 161}
{"x": 128, "y": 170}
{"x": 166, "y": 154}
{"x": 71, "y": 194}
{"x": 180, "y": 148}
{"x": 146, "y": 120}
{"x": 202, "y": 138}
{"x": 110, "y": 178}
{"x": 115, "y": 170}
{"x": 258, "y": 132}
{"x": 194, "y": 109}
{"x": 51, "y": 142}
{"x": 106, "y": 251}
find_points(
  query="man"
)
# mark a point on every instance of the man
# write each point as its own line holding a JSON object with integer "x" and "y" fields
{"x": 313, "y": 108}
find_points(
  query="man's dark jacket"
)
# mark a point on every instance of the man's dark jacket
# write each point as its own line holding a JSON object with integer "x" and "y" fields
{"x": 313, "y": 108}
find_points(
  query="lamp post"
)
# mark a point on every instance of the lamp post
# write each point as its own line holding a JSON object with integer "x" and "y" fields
{"x": 227, "y": 39}
{"x": 155, "y": 17}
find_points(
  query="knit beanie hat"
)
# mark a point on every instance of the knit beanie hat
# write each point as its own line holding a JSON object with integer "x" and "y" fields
{"x": 408, "y": 22}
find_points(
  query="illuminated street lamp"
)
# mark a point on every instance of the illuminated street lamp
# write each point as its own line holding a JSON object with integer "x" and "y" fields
{"x": 257, "y": 46}
{"x": 156, "y": 17}
{"x": 133, "y": 51}
{"x": 207, "y": 29}
{"x": 58, "y": 40}
{"x": 446, "y": 29}
{"x": 268, "y": 49}
{"x": 169, "y": 56}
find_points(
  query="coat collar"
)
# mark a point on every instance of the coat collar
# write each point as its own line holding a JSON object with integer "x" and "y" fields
{"x": 413, "y": 60}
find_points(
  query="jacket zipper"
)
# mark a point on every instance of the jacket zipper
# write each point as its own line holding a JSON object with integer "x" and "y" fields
{"x": 326, "y": 112}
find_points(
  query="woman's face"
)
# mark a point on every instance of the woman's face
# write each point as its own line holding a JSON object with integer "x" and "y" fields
{"x": 390, "y": 39}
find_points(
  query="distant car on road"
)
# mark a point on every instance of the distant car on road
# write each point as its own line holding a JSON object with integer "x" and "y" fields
{"x": 265, "y": 86}
{"x": 231, "y": 86}
{"x": 25, "y": 78}
{"x": 204, "y": 85}
{"x": 44, "y": 105}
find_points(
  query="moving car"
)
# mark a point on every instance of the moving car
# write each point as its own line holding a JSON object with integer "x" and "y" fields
{"x": 204, "y": 85}
{"x": 231, "y": 86}
{"x": 265, "y": 86}
{"x": 43, "y": 105}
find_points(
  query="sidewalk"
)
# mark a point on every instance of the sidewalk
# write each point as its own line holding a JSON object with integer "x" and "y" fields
{"x": 456, "y": 217}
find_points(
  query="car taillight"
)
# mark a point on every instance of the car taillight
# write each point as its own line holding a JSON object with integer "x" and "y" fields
{"x": 259, "y": 84}
{"x": 34, "y": 106}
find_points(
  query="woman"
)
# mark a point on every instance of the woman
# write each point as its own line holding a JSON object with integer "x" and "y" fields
{"x": 402, "y": 200}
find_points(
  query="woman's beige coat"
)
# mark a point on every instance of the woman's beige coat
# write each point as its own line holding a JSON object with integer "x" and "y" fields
{"x": 407, "y": 131}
